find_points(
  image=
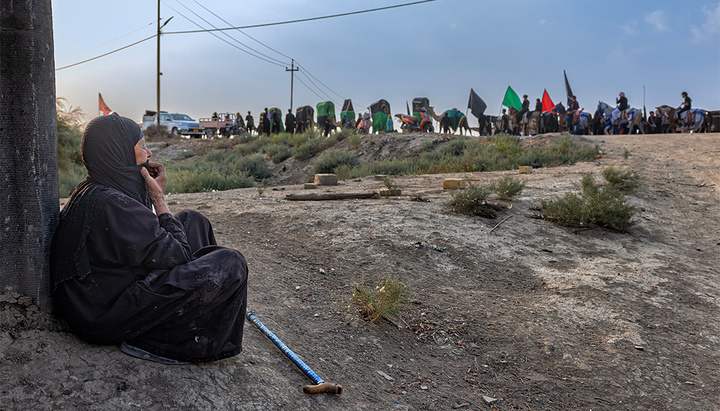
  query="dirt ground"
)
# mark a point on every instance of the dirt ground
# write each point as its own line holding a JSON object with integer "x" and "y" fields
{"x": 530, "y": 316}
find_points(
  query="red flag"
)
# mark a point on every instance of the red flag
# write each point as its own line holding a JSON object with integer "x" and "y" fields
{"x": 546, "y": 102}
{"x": 102, "y": 106}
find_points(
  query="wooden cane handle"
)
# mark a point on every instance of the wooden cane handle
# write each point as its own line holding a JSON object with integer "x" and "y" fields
{"x": 324, "y": 388}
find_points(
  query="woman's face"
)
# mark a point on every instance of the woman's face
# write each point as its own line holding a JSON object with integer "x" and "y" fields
{"x": 142, "y": 153}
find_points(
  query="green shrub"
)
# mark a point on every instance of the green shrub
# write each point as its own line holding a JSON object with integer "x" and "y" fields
{"x": 624, "y": 180}
{"x": 508, "y": 187}
{"x": 355, "y": 141}
{"x": 332, "y": 159}
{"x": 472, "y": 200}
{"x": 253, "y": 165}
{"x": 71, "y": 169}
{"x": 308, "y": 149}
{"x": 388, "y": 298}
{"x": 196, "y": 178}
{"x": 278, "y": 153}
{"x": 595, "y": 206}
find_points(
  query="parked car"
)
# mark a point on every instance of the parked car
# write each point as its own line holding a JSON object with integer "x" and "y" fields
{"x": 176, "y": 124}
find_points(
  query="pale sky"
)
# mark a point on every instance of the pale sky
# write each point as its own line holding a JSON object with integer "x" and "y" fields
{"x": 439, "y": 50}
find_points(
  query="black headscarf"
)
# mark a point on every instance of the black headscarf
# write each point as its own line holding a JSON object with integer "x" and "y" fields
{"x": 109, "y": 156}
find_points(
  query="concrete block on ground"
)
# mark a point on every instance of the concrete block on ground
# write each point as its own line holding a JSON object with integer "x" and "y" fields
{"x": 453, "y": 183}
{"x": 326, "y": 179}
{"x": 310, "y": 186}
{"x": 525, "y": 169}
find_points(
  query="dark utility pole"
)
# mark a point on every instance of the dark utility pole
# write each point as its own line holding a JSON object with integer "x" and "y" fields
{"x": 159, "y": 73}
{"x": 292, "y": 71}
{"x": 29, "y": 204}
{"x": 157, "y": 117}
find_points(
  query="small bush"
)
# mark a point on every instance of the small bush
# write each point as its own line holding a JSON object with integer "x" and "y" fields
{"x": 390, "y": 183}
{"x": 355, "y": 141}
{"x": 427, "y": 144}
{"x": 595, "y": 206}
{"x": 308, "y": 149}
{"x": 624, "y": 180}
{"x": 332, "y": 159}
{"x": 508, "y": 187}
{"x": 278, "y": 153}
{"x": 472, "y": 200}
{"x": 253, "y": 165}
{"x": 388, "y": 298}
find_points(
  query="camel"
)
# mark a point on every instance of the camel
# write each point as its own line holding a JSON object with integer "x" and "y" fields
{"x": 462, "y": 125}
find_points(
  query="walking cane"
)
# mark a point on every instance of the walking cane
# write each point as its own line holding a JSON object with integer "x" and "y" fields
{"x": 320, "y": 387}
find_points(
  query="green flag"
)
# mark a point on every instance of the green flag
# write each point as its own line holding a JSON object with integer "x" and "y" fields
{"x": 511, "y": 99}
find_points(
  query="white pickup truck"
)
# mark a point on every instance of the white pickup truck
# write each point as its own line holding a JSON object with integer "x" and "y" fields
{"x": 175, "y": 123}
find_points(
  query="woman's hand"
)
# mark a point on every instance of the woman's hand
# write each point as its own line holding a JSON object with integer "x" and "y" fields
{"x": 156, "y": 179}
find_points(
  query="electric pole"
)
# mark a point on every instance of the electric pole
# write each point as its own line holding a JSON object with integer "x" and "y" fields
{"x": 159, "y": 73}
{"x": 157, "y": 117}
{"x": 292, "y": 71}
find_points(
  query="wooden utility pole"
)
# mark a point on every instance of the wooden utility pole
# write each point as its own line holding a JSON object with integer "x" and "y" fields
{"x": 157, "y": 117}
{"x": 159, "y": 73}
{"x": 292, "y": 71}
{"x": 29, "y": 205}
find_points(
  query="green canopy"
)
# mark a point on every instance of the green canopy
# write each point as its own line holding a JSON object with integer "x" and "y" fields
{"x": 325, "y": 110}
{"x": 380, "y": 111}
{"x": 348, "y": 110}
{"x": 272, "y": 116}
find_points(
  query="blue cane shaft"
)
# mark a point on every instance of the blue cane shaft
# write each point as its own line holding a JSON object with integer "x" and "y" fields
{"x": 288, "y": 352}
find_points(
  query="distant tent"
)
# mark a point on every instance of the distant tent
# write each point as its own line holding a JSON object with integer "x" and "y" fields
{"x": 419, "y": 102}
{"x": 325, "y": 110}
{"x": 303, "y": 114}
{"x": 380, "y": 111}
{"x": 348, "y": 110}
{"x": 455, "y": 116}
{"x": 272, "y": 116}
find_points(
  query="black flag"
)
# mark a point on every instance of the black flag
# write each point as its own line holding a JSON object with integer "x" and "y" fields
{"x": 476, "y": 105}
{"x": 568, "y": 90}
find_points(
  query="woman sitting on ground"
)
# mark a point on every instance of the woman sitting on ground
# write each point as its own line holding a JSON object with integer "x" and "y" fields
{"x": 156, "y": 284}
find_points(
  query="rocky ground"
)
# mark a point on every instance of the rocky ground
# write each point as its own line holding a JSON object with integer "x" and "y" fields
{"x": 522, "y": 315}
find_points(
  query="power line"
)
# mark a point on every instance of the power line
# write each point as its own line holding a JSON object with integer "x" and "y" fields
{"x": 308, "y": 72}
{"x": 107, "y": 42}
{"x": 229, "y": 36}
{"x": 302, "y": 20}
{"x": 108, "y": 53}
{"x": 243, "y": 33}
{"x": 316, "y": 86}
{"x": 222, "y": 39}
{"x": 308, "y": 87}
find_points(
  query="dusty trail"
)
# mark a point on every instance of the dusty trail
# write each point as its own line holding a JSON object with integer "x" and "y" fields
{"x": 534, "y": 315}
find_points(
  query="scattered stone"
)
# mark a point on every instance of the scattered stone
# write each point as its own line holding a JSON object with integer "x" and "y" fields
{"x": 380, "y": 177}
{"x": 25, "y": 301}
{"x": 326, "y": 179}
{"x": 423, "y": 387}
{"x": 489, "y": 400}
{"x": 639, "y": 347}
{"x": 460, "y": 405}
{"x": 387, "y": 377}
{"x": 310, "y": 186}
